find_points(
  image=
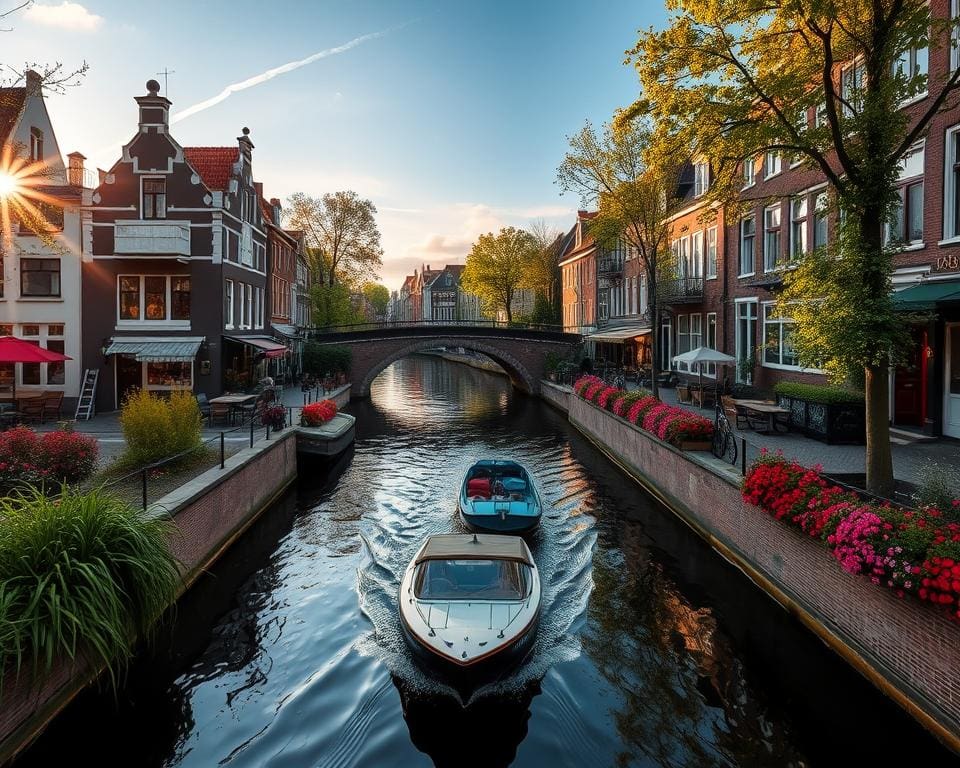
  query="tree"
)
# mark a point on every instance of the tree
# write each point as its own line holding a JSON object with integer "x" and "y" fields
{"x": 819, "y": 80}
{"x": 628, "y": 172}
{"x": 542, "y": 273}
{"x": 331, "y": 305}
{"x": 378, "y": 297}
{"x": 341, "y": 232}
{"x": 496, "y": 265}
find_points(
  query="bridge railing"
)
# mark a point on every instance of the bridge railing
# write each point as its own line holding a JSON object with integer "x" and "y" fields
{"x": 388, "y": 324}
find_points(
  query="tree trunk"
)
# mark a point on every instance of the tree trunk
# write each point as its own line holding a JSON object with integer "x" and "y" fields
{"x": 879, "y": 459}
{"x": 654, "y": 337}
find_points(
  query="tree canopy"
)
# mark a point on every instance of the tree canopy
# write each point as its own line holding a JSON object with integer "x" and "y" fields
{"x": 822, "y": 81}
{"x": 378, "y": 297}
{"x": 496, "y": 265}
{"x": 341, "y": 231}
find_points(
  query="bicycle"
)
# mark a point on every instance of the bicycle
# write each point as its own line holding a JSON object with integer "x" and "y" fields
{"x": 724, "y": 444}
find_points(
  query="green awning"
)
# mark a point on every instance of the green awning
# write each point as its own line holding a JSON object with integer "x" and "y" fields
{"x": 926, "y": 295}
{"x": 155, "y": 350}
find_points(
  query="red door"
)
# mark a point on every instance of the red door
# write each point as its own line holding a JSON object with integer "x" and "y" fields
{"x": 909, "y": 385}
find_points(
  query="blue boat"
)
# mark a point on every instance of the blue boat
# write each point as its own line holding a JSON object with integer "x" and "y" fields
{"x": 500, "y": 497}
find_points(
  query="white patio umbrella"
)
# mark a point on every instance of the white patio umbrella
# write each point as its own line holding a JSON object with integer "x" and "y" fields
{"x": 702, "y": 355}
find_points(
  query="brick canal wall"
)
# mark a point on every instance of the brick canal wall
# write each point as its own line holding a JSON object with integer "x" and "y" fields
{"x": 209, "y": 512}
{"x": 909, "y": 651}
{"x": 558, "y": 396}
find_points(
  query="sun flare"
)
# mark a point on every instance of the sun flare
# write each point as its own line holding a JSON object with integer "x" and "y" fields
{"x": 22, "y": 192}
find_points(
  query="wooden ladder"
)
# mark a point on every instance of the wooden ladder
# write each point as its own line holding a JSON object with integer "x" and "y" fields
{"x": 86, "y": 404}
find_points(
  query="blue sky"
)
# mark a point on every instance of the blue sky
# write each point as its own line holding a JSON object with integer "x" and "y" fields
{"x": 453, "y": 122}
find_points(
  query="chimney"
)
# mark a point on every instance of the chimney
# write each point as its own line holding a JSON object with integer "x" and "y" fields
{"x": 75, "y": 169}
{"x": 34, "y": 82}
{"x": 277, "y": 210}
{"x": 154, "y": 108}
{"x": 245, "y": 144}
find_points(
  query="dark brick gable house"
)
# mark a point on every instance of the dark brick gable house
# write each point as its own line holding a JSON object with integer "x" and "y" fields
{"x": 174, "y": 266}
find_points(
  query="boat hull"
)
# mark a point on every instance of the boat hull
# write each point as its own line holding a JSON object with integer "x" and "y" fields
{"x": 497, "y": 523}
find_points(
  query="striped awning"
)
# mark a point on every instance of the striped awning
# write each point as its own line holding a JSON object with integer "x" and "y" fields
{"x": 156, "y": 350}
{"x": 267, "y": 346}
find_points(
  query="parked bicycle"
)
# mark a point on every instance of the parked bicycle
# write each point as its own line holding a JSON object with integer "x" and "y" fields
{"x": 724, "y": 441}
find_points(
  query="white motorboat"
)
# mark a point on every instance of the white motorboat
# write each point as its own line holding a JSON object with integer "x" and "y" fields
{"x": 471, "y": 598}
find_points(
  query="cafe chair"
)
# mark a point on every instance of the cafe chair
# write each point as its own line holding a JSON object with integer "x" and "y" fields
{"x": 53, "y": 406}
{"x": 32, "y": 410}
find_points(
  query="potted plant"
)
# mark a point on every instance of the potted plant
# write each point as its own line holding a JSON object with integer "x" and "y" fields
{"x": 828, "y": 413}
{"x": 275, "y": 417}
{"x": 317, "y": 414}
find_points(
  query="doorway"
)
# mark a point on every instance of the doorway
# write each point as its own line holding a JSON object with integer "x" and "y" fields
{"x": 129, "y": 376}
{"x": 909, "y": 384}
{"x": 951, "y": 389}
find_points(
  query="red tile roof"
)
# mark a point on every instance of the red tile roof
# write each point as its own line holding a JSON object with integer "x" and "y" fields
{"x": 214, "y": 164}
{"x": 11, "y": 105}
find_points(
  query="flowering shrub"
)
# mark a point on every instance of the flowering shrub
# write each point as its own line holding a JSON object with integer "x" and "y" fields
{"x": 674, "y": 425}
{"x": 275, "y": 416}
{"x": 27, "y": 458}
{"x": 909, "y": 551}
{"x": 318, "y": 413}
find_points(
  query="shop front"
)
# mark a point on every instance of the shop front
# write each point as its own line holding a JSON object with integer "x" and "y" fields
{"x": 627, "y": 347}
{"x": 288, "y": 369}
{"x": 156, "y": 365}
{"x": 247, "y": 360}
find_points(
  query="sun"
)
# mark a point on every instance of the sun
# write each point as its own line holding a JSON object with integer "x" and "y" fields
{"x": 23, "y": 192}
{"x": 8, "y": 184}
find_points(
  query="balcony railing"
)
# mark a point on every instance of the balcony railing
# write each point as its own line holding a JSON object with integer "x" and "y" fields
{"x": 681, "y": 290}
{"x": 153, "y": 237}
{"x": 608, "y": 265}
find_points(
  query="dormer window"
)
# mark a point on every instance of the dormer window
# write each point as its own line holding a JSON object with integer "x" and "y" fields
{"x": 36, "y": 145}
{"x": 773, "y": 164}
{"x": 154, "y": 198}
{"x": 701, "y": 178}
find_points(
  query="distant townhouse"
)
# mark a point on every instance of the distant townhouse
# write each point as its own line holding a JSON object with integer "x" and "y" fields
{"x": 175, "y": 270}
{"x": 304, "y": 315}
{"x": 283, "y": 249}
{"x": 405, "y": 298}
{"x": 578, "y": 270}
{"x": 40, "y": 257}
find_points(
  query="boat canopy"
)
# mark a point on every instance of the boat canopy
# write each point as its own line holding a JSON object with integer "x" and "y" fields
{"x": 457, "y": 546}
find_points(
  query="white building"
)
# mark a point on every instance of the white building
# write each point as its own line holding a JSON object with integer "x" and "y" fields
{"x": 40, "y": 289}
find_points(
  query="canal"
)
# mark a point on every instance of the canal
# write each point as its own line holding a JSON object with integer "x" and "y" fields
{"x": 652, "y": 651}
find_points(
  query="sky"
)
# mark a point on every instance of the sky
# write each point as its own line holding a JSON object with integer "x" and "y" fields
{"x": 451, "y": 115}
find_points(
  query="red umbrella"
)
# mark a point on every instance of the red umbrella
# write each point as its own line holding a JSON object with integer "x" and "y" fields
{"x": 14, "y": 350}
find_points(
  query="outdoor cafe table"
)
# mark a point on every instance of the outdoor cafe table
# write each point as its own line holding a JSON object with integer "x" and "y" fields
{"x": 9, "y": 397}
{"x": 236, "y": 402}
{"x": 768, "y": 410}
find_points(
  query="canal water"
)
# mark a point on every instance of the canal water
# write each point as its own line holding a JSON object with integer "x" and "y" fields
{"x": 651, "y": 651}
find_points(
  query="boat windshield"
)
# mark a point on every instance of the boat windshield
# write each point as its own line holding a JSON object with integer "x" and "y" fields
{"x": 471, "y": 580}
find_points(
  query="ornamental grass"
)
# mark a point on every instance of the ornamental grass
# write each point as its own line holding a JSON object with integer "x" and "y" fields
{"x": 156, "y": 427}
{"x": 80, "y": 577}
{"x": 909, "y": 551}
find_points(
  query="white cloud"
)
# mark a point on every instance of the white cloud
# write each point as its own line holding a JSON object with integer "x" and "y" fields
{"x": 68, "y": 15}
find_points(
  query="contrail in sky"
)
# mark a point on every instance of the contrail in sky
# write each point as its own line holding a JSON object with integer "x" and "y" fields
{"x": 272, "y": 73}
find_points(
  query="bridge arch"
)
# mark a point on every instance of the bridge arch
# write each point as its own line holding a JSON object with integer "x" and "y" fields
{"x": 520, "y": 376}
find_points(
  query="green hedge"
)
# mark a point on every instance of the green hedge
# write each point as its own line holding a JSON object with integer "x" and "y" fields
{"x": 321, "y": 359}
{"x": 818, "y": 393}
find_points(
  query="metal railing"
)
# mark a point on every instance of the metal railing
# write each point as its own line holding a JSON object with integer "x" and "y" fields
{"x": 147, "y": 474}
{"x": 680, "y": 289}
{"x": 399, "y": 324}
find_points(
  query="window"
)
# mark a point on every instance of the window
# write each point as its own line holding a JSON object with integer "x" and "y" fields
{"x": 820, "y": 221}
{"x": 153, "y": 298}
{"x": 712, "y": 252}
{"x": 228, "y": 304}
{"x": 749, "y": 172}
{"x": 39, "y": 277}
{"x": 169, "y": 375}
{"x": 48, "y": 335}
{"x": 259, "y": 308}
{"x": 746, "y": 339}
{"x": 911, "y": 65}
{"x": 820, "y": 118}
{"x": 711, "y": 369}
{"x": 907, "y": 224}
{"x": 701, "y": 178}
{"x": 951, "y": 197}
{"x": 748, "y": 232}
{"x": 36, "y": 145}
{"x": 773, "y": 164}
{"x": 798, "y": 227}
{"x": 777, "y": 339}
{"x": 954, "y": 35}
{"x": 154, "y": 198}
{"x": 695, "y": 268}
{"x": 689, "y": 336}
{"x": 248, "y": 306}
{"x": 851, "y": 87}
{"x": 771, "y": 237}
{"x": 683, "y": 265}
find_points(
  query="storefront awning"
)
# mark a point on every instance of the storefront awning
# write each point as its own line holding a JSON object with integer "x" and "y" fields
{"x": 618, "y": 335}
{"x": 156, "y": 350}
{"x": 261, "y": 344}
{"x": 925, "y": 295}
{"x": 287, "y": 331}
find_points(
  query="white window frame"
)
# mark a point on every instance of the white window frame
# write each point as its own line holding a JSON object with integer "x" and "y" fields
{"x": 801, "y": 230}
{"x": 711, "y": 368}
{"x": 753, "y": 247}
{"x": 749, "y": 172}
{"x": 750, "y": 314}
{"x": 696, "y": 254}
{"x": 769, "y": 266}
{"x": 954, "y": 35}
{"x": 142, "y": 321}
{"x": 711, "y": 266}
{"x": 850, "y": 103}
{"x": 770, "y": 307}
{"x": 772, "y": 164}
{"x": 913, "y": 69}
{"x": 228, "y": 293}
{"x": 821, "y": 211}
{"x": 701, "y": 178}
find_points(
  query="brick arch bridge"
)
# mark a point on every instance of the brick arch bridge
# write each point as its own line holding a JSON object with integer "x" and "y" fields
{"x": 521, "y": 352}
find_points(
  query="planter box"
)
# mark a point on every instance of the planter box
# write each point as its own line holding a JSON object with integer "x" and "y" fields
{"x": 843, "y": 423}
{"x": 695, "y": 445}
